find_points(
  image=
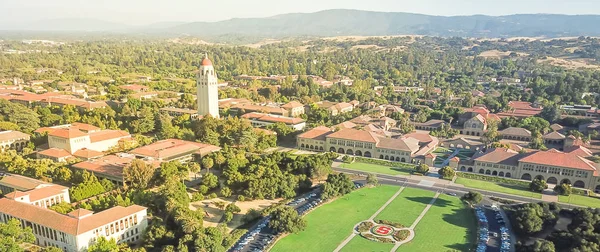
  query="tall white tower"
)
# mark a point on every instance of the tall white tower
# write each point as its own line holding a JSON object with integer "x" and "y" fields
{"x": 208, "y": 91}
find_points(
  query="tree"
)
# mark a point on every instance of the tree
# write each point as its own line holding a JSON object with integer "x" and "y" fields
{"x": 62, "y": 207}
{"x": 104, "y": 245}
{"x": 138, "y": 174}
{"x": 472, "y": 198}
{"x": 527, "y": 221}
{"x": 225, "y": 192}
{"x": 286, "y": 220}
{"x": 491, "y": 135}
{"x": 422, "y": 169}
{"x": 210, "y": 181}
{"x": 551, "y": 113}
{"x": 540, "y": 246}
{"x": 447, "y": 172}
{"x": 12, "y": 235}
{"x": 538, "y": 185}
{"x": 372, "y": 179}
{"x": 563, "y": 189}
{"x": 207, "y": 163}
{"x": 336, "y": 185}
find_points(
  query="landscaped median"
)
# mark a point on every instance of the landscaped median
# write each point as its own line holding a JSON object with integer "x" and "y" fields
{"x": 496, "y": 184}
{"x": 379, "y": 166}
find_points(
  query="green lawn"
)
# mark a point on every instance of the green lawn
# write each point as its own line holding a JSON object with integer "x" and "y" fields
{"x": 580, "y": 200}
{"x": 448, "y": 225}
{"x": 497, "y": 187}
{"x": 359, "y": 243}
{"x": 330, "y": 224}
{"x": 375, "y": 168}
{"x": 407, "y": 206}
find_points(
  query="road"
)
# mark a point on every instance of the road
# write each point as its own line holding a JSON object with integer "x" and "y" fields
{"x": 414, "y": 182}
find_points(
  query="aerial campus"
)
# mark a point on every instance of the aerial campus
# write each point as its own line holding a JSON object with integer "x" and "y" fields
{"x": 320, "y": 143}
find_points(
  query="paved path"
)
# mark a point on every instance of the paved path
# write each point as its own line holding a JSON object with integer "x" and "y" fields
{"x": 412, "y": 227}
{"x": 354, "y": 233}
{"x": 447, "y": 160}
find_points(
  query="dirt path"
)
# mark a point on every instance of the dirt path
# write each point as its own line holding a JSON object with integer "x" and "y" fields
{"x": 354, "y": 233}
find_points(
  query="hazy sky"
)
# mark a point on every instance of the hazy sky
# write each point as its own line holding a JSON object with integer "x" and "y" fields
{"x": 149, "y": 11}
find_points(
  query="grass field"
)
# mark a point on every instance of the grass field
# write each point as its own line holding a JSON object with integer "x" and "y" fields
{"x": 580, "y": 200}
{"x": 359, "y": 243}
{"x": 330, "y": 224}
{"x": 448, "y": 225}
{"x": 496, "y": 187}
{"x": 407, "y": 206}
{"x": 375, "y": 168}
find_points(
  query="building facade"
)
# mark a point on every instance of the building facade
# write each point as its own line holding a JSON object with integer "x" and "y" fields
{"x": 207, "y": 89}
{"x": 13, "y": 140}
{"x": 368, "y": 144}
{"x": 78, "y": 229}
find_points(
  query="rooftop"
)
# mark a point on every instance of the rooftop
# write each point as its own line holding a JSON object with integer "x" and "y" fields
{"x": 62, "y": 222}
{"x": 273, "y": 118}
{"x": 557, "y": 158}
{"x": 20, "y": 183}
{"x": 318, "y": 133}
{"x": 356, "y": 135}
{"x": 12, "y": 135}
{"x": 168, "y": 148}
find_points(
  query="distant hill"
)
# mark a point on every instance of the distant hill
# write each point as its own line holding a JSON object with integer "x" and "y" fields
{"x": 355, "y": 22}
{"x": 351, "y": 22}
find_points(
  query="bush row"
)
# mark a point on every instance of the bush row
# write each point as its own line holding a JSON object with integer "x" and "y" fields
{"x": 376, "y": 238}
{"x": 503, "y": 201}
{"x": 390, "y": 223}
{"x": 406, "y": 166}
{"x": 493, "y": 179}
{"x": 401, "y": 235}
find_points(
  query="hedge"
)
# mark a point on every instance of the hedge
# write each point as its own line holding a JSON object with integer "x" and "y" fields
{"x": 364, "y": 226}
{"x": 400, "y": 165}
{"x": 401, "y": 235}
{"x": 503, "y": 201}
{"x": 493, "y": 179}
{"x": 377, "y": 238}
{"x": 390, "y": 223}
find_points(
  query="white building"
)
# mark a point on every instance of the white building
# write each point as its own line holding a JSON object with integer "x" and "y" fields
{"x": 80, "y": 140}
{"x": 13, "y": 140}
{"x": 33, "y": 191}
{"x": 208, "y": 89}
{"x": 78, "y": 229}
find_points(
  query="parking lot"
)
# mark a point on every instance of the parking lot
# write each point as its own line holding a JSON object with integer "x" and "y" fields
{"x": 493, "y": 234}
{"x": 260, "y": 236}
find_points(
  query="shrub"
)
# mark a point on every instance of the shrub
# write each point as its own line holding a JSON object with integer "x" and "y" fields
{"x": 364, "y": 226}
{"x": 212, "y": 195}
{"x": 503, "y": 201}
{"x": 376, "y": 238}
{"x": 493, "y": 179}
{"x": 348, "y": 159}
{"x": 447, "y": 172}
{"x": 197, "y": 196}
{"x": 390, "y": 223}
{"x": 422, "y": 169}
{"x": 538, "y": 185}
{"x": 407, "y": 167}
{"x": 227, "y": 217}
{"x": 225, "y": 192}
{"x": 472, "y": 197}
{"x": 563, "y": 189}
{"x": 241, "y": 198}
{"x": 401, "y": 235}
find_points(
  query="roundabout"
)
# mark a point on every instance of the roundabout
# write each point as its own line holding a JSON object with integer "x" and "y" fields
{"x": 386, "y": 233}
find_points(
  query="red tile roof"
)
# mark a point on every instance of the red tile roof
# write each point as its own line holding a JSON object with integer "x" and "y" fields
{"x": 63, "y": 222}
{"x": 12, "y": 135}
{"x": 20, "y": 183}
{"x": 168, "y": 148}
{"x": 134, "y": 87}
{"x": 272, "y": 118}
{"x": 111, "y": 165}
{"x": 39, "y": 193}
{"x": 292, "y": 104}
{"x": 318, "y": 133}
{"x": 55, "y": 153}
{"x": 500, "y": 156}
{"x": 87, "y": 153}
{"x": 356, "y": 135}
{"x": 107, "y": 134}
{"x": 67, "y": 133}
{"x": 561, "y": 159}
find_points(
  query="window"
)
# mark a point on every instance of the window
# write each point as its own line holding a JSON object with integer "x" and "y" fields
{"x": 135, "y": 221}
{"x": 121, "y": 222}
{"x": 107, "y": 231}
{"x": 112, "y": 228}
{"x": 126, "y": 223}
